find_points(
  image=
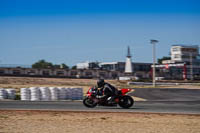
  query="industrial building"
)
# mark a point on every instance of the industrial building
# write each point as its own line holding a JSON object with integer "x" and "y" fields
{"x": 141, "y": 70}
{"x": 184, "y": 64}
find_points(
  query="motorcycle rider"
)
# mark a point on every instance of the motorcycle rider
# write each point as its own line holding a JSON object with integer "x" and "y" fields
{"x": 107, "y": 91}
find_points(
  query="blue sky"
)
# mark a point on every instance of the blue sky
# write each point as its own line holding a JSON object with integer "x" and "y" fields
{"x": 62, "y": 31}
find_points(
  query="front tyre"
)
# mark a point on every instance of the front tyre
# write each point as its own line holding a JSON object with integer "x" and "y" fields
{"x": 126, "y": 102}
{"x": 88, "y": 102}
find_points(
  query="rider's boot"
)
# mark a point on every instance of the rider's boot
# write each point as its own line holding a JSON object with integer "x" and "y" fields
{"x": 111, "y": 100}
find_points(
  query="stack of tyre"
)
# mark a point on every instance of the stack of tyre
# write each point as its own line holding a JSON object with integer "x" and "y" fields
{"x": 54, "y": 93}
{"x": 51, "y": 93}
{"x": 80, "y": 93}
{"x": 7, "y": 94}
{"x": 68, "y": 93}
{"x": 45, "y": 94}
{"x": 62, "y": 93}
{"x": 25, "y": 94}
{"x": 77, "y": 93}
{"x": 35, "y": 94}
{"x": 3, "y": 94}
{"x": 11, "y": 93}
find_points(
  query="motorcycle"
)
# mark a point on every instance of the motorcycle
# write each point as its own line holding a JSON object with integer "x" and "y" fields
{"x": 122, "y": 99}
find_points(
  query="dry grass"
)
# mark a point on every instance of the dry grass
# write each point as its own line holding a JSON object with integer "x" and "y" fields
{"x": 84, "y": 122}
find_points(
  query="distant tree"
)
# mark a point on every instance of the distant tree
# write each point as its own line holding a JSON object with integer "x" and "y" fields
{"x": 61, "y": 66}
{"x": 42, "y": 64}
{"x": 74, "y": 67}
{"x": 56, "y": 66}
{"x": 163, "y": 58}
{"x": 64, "y": 66}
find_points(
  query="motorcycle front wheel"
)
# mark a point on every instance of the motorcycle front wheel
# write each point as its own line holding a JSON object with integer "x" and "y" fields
{"x": 126, "y": 102}
{"x": 88, "y": 102}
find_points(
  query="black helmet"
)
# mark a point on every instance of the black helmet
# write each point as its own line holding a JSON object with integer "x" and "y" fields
{"x": 100, "y": 83}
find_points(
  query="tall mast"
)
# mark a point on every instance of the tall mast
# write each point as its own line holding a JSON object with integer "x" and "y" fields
{"x": 129, "y": 53}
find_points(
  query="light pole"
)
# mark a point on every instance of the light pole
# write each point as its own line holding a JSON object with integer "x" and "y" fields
{"x": 191, "y": 67}
{"x": 191, "y": 61}
{"x": 153, "y": 42}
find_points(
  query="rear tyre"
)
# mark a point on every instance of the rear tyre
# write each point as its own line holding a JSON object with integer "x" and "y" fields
{"x": 88, "y": 102}
{"x": 126, "y": 102}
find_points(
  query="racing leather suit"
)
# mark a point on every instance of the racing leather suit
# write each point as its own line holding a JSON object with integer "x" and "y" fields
{"x": 108, "y": 91}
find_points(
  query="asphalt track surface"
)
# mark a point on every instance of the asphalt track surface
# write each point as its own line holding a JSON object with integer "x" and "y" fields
{"x": 178, "y": 107}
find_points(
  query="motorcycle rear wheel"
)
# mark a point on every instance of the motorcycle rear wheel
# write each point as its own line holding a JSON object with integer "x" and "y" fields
{"x": 126, "y": 102}
{"x": 88, "y": 102}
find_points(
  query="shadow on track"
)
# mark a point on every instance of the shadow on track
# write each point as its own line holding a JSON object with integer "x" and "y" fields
{"x": 117, "y": 108}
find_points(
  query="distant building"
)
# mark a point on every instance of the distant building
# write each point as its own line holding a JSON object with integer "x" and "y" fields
{"x": 120, "y": 66}
{"x": 112, "y": 66}
{"x": 107, "y": 70}
{"x": 64, "y": 73}
{"x": 87, "y": 65}
{"x": 184, "y": 63}
{"x": 141, "y": 70}
{"x": 184, "y": 53}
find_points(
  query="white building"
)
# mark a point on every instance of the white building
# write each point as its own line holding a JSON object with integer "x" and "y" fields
{"x": 87, "y": 65}
{"x": 183, "y": 53}
{"x": 128, "y": 66}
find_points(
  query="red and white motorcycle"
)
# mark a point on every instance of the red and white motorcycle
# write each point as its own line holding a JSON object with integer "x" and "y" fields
{"x": 122, "y": 99}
